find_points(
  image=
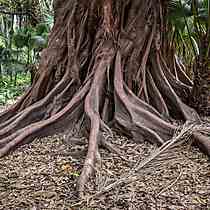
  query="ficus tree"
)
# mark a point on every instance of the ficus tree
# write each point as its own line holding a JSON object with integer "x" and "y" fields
{"x": 106, "y": 65}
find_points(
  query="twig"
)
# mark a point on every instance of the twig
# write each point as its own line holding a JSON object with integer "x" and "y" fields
{"x": 171, "y": 184}
{"x": 132, "y": 176}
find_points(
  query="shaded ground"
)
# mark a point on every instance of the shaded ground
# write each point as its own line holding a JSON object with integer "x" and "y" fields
{"x": 43, "y": 174}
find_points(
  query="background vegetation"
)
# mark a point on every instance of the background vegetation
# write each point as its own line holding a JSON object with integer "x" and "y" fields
{"x": 24, "y": 28}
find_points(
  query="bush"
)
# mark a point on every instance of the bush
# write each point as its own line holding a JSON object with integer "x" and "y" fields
{"x": 9, "y": 91}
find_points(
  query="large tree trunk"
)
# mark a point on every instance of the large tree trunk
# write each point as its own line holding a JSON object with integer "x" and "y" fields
{"x": 103, "y": 67}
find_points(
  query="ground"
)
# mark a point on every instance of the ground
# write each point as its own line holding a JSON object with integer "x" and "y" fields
{"x": 43, "y": 175}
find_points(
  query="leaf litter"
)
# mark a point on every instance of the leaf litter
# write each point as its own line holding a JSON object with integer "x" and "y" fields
{"x": 43, "y": 175}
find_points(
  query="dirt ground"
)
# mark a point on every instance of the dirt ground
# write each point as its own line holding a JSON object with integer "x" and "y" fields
{"x": 43, "y": 175}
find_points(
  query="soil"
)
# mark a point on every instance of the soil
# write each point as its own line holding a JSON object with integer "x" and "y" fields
{"x": 43, "y": 175}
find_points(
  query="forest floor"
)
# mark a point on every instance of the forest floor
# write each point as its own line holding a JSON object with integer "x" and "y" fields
{"x": 43, "y": 175}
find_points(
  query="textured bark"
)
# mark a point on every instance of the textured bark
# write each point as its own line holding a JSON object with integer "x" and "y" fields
{"x": 105, "y": 65}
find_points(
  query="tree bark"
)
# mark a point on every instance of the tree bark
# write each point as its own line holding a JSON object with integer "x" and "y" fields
{"x": 104, "y": 66}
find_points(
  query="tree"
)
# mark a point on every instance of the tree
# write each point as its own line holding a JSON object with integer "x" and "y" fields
{"x": 190, "y": 21}
{"x": 201, "y": 89}
{"x": 105, "y": 66}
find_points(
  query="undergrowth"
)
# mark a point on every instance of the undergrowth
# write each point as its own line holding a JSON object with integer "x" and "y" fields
{"x": 9, "y": 91}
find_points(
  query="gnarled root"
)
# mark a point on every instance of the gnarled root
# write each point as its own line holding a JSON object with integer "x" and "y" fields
{"x": 92, "y": 110}
{"x": 104, "y": 68}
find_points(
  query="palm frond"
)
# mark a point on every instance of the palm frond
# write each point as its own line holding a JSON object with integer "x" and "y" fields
{"x": 158, "y": 158}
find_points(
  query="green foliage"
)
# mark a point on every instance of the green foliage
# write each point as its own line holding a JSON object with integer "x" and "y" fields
{"x": 20, "y": 39}
{"x": 189, "y": 16}
{"x": 32, "y": 38}
{"x": 20, "y": 43}
{"x": 49, "y": 20}
{"x": 42, "y": 28}
{"x": 9, "y": 91}
{"x": 189, "y": 21}
{"x": 179, "y": 9}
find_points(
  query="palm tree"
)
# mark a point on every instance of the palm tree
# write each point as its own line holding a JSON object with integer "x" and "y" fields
{"x": 200, "y": 98}
{"x": 190, "y": 23}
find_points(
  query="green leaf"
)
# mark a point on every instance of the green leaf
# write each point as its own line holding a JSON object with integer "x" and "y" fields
{"x": 20, "y": 40}
{"x": 42, "y": 28}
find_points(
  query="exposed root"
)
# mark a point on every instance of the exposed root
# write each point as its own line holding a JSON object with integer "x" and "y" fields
{"x": 156, "y": 97}
{"x": 176, "y": 105}
{"x": 203, "y": 141}
{"x": 141, "y": 123}
{"x": 104, "y": 65}
{"x": 92, "y": 104}
{"x": 182, "y": 76}
{"x": 36, "y": 112}
{"x": 47, "y": 127}
{"x": 149, "y": 163}
{"x": 11, "y": 111}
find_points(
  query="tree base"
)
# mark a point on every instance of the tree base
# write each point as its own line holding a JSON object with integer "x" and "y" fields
{"x": 89, "y": 80}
